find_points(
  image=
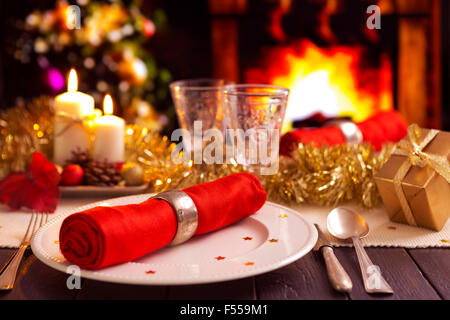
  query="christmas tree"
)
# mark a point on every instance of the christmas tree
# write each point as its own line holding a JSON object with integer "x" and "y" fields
{"x": 106, "y": 42}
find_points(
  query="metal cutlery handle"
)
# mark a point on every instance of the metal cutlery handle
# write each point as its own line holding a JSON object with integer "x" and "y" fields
{"x": 8, "y": 275}
{"x": 337, "y": 275}
{"x": 372, "y": 278}
{"x": 9, "y": 271}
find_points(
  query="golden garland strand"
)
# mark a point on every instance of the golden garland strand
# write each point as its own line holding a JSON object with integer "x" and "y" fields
{"x": 328, "y": 175}
{"x": 25, "y": 129}
{"x": 316, "y": 175}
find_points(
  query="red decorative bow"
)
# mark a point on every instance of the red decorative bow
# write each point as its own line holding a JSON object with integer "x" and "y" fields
{"x": 36, "y": 189}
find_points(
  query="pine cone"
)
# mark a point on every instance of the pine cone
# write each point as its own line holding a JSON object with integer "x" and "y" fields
{"x": 80, "y": 157}
{"x": 101, "y": 173}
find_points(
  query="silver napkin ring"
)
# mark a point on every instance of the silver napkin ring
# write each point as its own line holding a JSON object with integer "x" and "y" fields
{"x": 350, "y": 130}
{"x": 185, "y": 212}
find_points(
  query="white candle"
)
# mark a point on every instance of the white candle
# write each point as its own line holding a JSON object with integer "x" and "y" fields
{"x": 109, "y": 135}
{"x": 69, "y": 135}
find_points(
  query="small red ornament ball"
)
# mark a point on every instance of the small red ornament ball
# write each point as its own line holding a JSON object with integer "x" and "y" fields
{"x": 149, "y": 28}
{"x": 72, "y": 175}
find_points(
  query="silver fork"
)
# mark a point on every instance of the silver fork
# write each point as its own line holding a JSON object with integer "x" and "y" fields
{"x": 9, "y": 270}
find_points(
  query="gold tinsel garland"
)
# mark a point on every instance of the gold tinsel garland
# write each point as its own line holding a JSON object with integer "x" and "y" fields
{"x": 25, "y": 129}
{"x": 316, "y": 175}
{"x": 328, "y": 175}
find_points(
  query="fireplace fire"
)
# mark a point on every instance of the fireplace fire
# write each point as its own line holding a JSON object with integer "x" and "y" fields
{"x": 325, "y": 53}
{"x": 333, "y": 81}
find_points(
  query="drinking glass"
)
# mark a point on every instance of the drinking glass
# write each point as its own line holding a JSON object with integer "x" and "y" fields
{"x": 198, "y": 100}
{"x": 255, "y": 113}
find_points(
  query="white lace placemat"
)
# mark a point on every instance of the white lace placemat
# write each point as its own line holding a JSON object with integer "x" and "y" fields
{"x": 13, "y": 224}
{"x": 382, "y": 231}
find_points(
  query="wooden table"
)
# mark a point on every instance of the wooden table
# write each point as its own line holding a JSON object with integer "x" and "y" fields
{"x": 412, "y": 273}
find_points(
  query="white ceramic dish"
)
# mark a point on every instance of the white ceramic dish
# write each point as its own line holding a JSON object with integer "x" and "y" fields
{"x": 269, "y": 239}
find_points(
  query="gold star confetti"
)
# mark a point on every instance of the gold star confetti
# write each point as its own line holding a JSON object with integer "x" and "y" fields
{"x": 445, "y": 241}
{"x": 283, "y": 215}
{"x": 150, "y": 272}
{"x": 273, "y": 240}
{"x": 219, "y": 258}
{"x": 56, "y": 242}
{"x": 392, "y": 228}
{"x": 249, "y": 263}
{"x": 247, "y": 238}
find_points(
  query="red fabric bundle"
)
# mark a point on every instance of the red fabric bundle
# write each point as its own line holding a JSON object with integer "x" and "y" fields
{"x": 104, "y": 236}
{"x": 377, "y": 130}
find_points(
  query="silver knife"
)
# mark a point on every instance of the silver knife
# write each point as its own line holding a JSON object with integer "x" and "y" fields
{"x": 337, "y": 275}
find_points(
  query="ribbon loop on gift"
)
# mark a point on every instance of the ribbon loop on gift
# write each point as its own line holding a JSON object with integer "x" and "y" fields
{"x": 413, "y": 150}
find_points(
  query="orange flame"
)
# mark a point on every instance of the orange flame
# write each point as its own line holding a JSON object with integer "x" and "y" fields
{"x": 72, "y": 81}
{"x": 108, "y": 105}
{"x": 329, "y": 81}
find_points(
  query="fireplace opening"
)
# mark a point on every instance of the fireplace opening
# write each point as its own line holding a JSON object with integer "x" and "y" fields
{"x": 334, "y": 81}
{"x": 307, "y": 47}
{"x": 332, "y": 58}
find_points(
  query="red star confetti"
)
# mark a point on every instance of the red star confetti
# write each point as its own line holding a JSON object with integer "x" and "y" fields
{"x": 219, "y": 258}
{"x": 150, "y": 272}
{"x": 249, "y": 263}
{"x": 247, "y": 238}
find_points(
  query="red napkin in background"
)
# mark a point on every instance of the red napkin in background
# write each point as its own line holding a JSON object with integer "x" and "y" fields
{"x": 104, "y": 236}
{"x": 36, "y": 189}
{"x": 377, "y": 130}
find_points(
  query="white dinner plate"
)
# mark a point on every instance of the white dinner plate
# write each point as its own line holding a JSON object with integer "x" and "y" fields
{"x": 267, "y": 240}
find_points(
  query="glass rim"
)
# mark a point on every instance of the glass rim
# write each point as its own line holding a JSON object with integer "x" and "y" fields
{"x": 194, "y": 83}
{"x": 278, "y": 91}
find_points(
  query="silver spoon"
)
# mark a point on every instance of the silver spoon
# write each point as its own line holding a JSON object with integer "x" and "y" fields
{"x": 345, "y": 224}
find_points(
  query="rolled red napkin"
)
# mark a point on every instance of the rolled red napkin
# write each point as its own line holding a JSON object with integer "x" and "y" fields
{"x": 377, "y": 130}
{"x": 104, "y": 236}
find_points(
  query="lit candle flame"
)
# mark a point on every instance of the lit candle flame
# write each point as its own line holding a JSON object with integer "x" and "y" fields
{"x": 73, "y": 81}
{"x": 107, "y": 105}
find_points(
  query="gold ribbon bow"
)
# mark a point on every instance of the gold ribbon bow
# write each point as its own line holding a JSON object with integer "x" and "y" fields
{"x": 86, "y": 122}
{"x": 413, "y": 150}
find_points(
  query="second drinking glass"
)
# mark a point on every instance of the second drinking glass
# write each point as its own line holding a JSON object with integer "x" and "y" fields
{"x": 198, "y": 100}
{"x": 255, "y": 114}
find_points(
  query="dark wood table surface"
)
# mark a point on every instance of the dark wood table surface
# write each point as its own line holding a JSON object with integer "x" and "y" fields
{"x": 412, "y": 273}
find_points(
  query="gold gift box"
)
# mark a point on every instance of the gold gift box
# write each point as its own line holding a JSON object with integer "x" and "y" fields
{"x": 426, "y": 191}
